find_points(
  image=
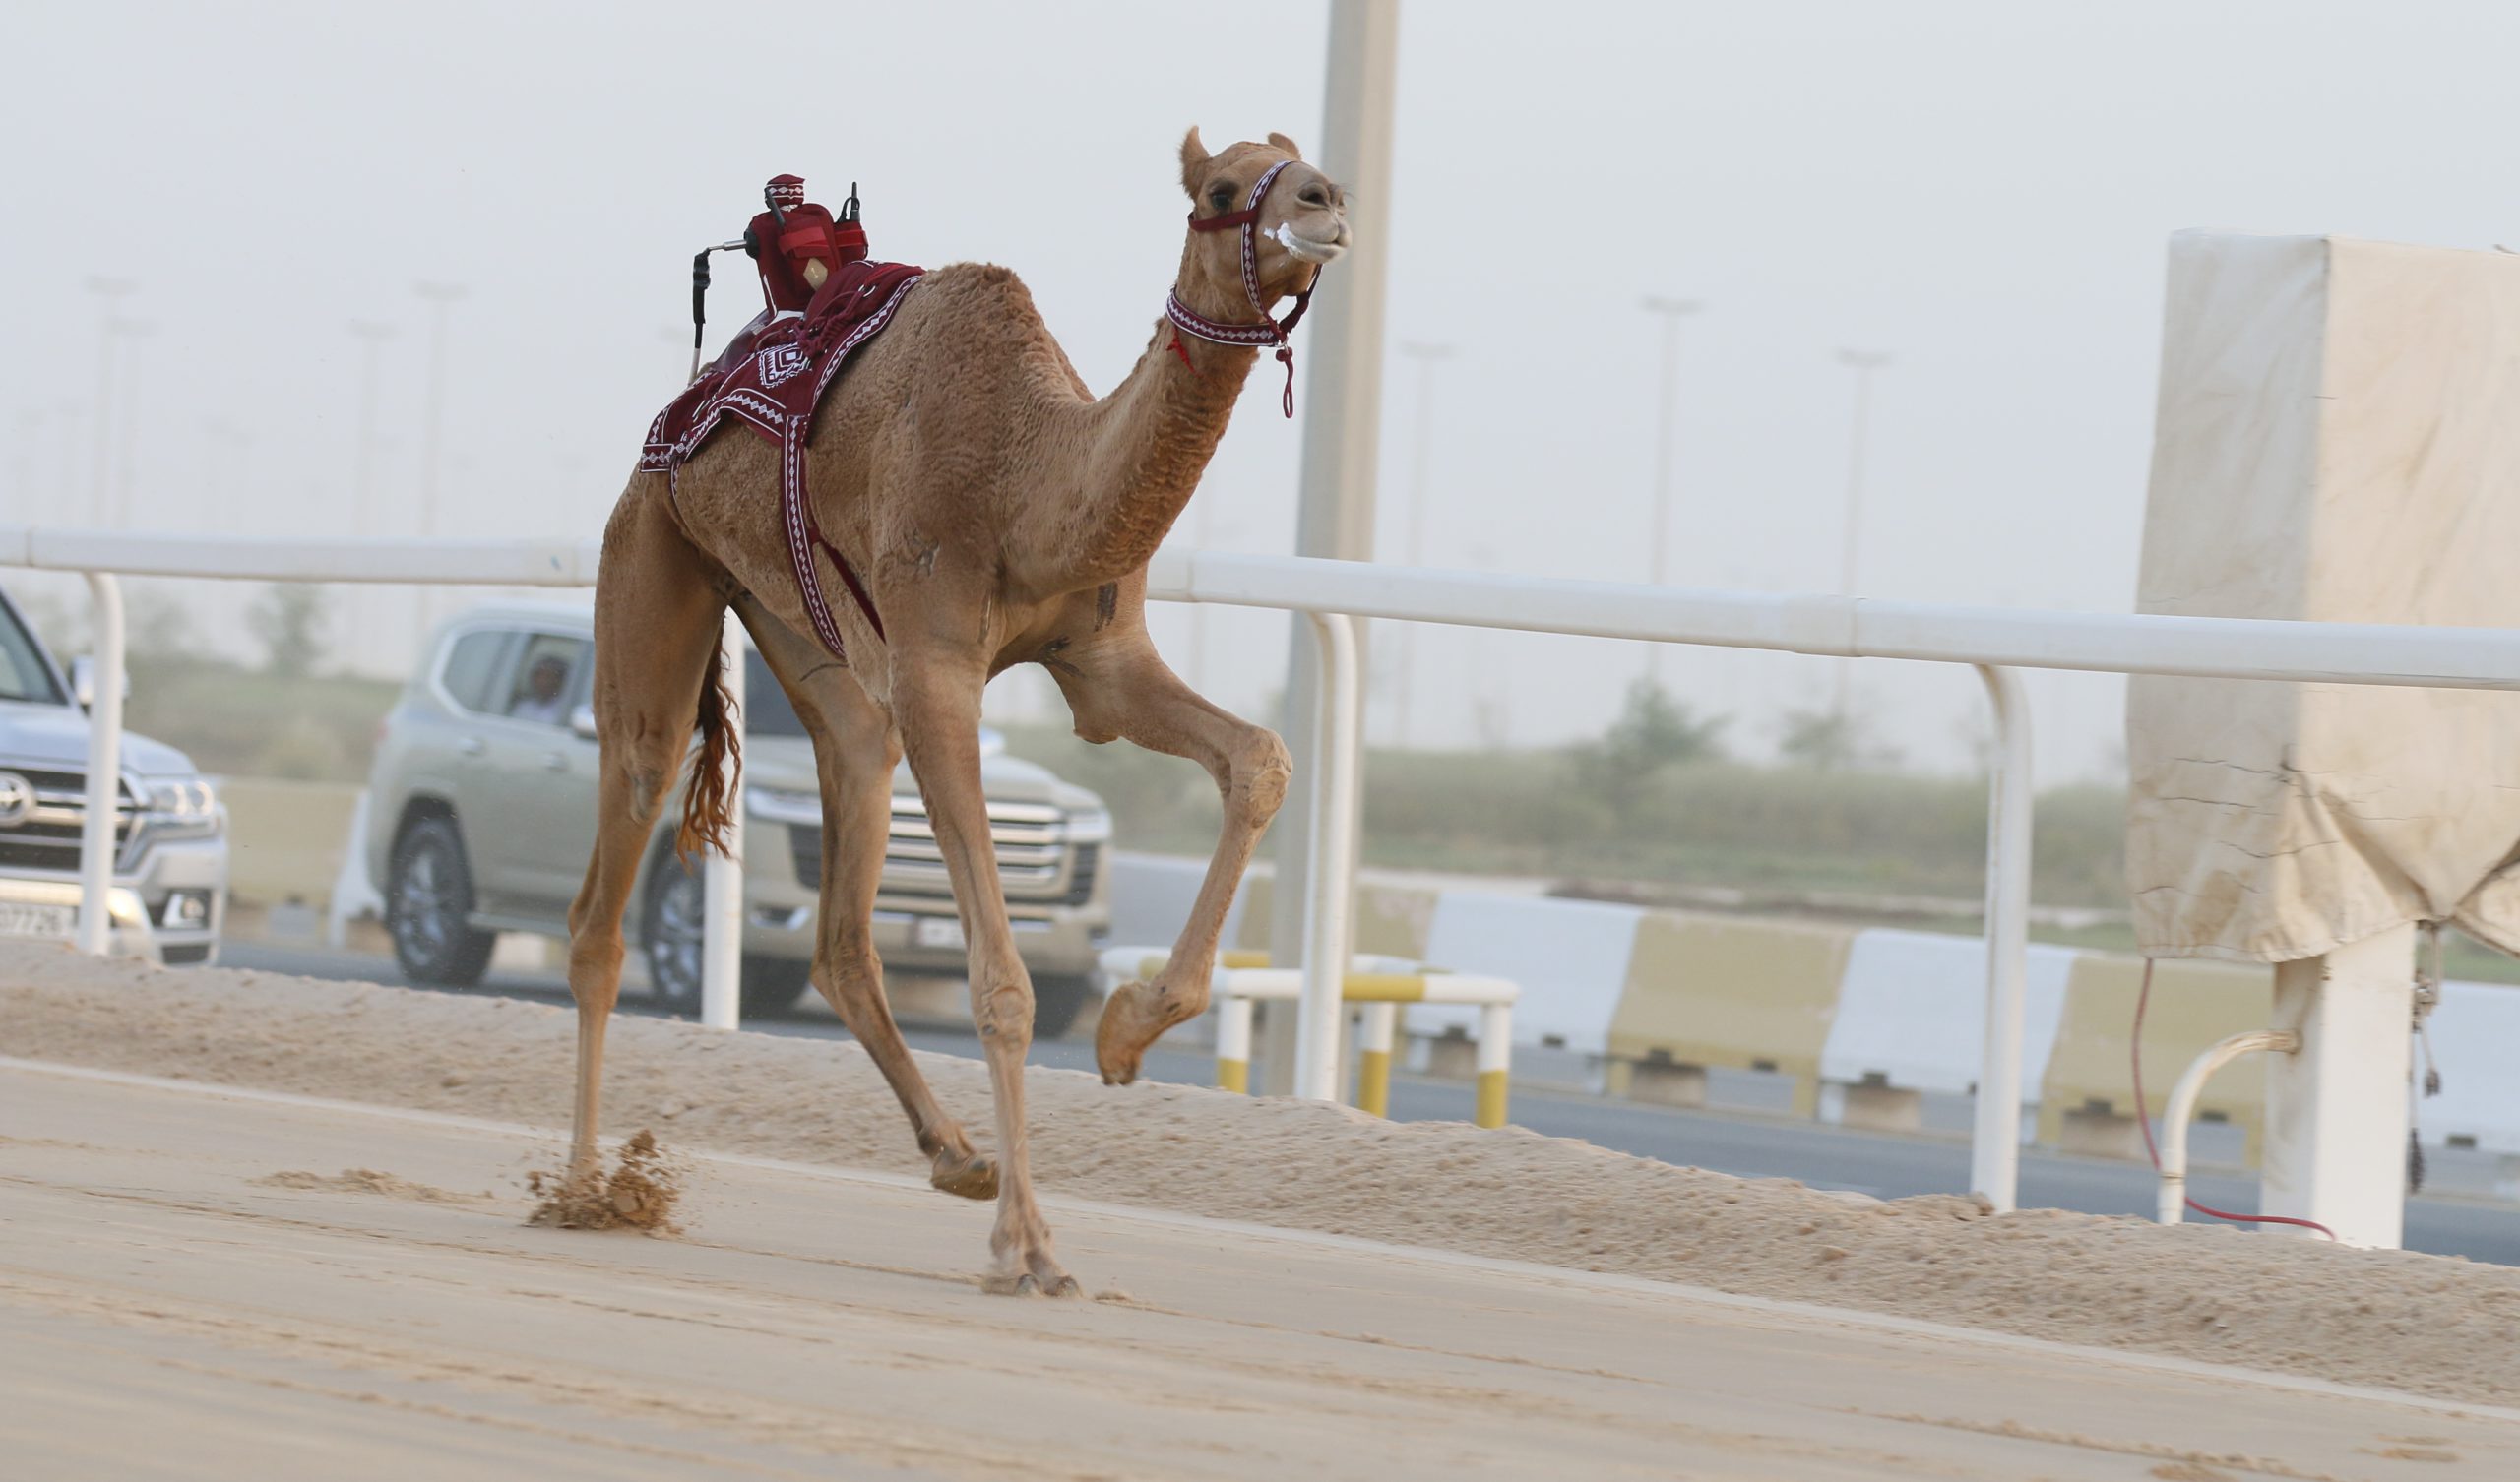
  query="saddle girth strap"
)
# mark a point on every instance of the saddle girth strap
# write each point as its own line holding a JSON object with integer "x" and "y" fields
{"x": 805, "y": 536}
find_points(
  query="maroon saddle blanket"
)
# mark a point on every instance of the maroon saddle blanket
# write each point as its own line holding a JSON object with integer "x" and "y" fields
{"x": 772, "y": 379}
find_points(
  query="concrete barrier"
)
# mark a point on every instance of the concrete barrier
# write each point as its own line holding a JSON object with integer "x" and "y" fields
{"x": 1912, "y": 1017}
{"x": 1865, "y": 1021}
{"x": 2087, "y": 1102}
{"x": 1724, "y": 991}
{"x": 285, "y": 839}
{"x": 1570, "y": 958}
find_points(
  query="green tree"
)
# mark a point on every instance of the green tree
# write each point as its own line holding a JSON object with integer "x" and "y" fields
{"x": 1832, "y": 741}
{"x": 1652, "y": 732}
{"x": 288, "y": 621}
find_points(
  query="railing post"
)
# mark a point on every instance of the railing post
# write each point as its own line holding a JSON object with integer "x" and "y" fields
{"x": 1994, "y": 1159}
{"x": 1333, "y": 841}
{"x": 105, "y": 769}
{"x": 722, "y": 875}
{"x": 2336, "y": 1108}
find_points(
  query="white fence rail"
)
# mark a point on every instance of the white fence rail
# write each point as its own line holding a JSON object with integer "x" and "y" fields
{"x": 1995, "y": 641}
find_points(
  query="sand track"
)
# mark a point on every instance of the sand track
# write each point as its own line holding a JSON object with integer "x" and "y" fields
{"x": 2439, "y": 1326}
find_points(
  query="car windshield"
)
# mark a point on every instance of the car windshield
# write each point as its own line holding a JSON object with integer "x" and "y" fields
{"x": 767, "y": 711}
{"x": 23, "y": 675}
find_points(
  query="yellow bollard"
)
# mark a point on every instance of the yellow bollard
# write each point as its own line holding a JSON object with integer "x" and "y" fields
{"x": 1374, "y": 1031}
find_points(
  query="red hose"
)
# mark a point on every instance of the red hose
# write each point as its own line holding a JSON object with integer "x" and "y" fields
{"x": 2143, "y": 1119}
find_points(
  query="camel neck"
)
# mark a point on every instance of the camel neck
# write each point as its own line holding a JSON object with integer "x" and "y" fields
{"x": 1150, "y": 441}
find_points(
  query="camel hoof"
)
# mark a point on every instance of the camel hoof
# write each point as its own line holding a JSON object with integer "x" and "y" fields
{"x": 973, "y": 1176}
{"x": 1129, "y": 1025}
{"x": 1025, "y": 1284}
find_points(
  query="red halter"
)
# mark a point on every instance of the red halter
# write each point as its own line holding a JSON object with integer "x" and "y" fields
{"x": 1268, "y": 332}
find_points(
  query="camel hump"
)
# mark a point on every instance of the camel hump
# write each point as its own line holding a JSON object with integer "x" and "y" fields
{"x": 983, "y": 303}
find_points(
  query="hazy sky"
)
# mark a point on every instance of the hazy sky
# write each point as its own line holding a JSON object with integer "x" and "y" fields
{"x": 1981, "y": 190}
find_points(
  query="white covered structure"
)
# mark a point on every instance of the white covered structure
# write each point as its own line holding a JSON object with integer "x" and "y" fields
{"x": 2338, "y": 440}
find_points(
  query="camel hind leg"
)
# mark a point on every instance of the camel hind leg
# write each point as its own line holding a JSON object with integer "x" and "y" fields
{"x": 657, "y": 607}
{"x": 854, "y": 751}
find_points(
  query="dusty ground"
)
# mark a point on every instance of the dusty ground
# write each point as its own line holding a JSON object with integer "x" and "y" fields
{"x": 2433, "y": 1326}
{"x": 184, "y": 1293}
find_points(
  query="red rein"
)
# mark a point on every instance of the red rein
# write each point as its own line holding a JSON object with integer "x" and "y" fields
{"x": 1268, "y": 333}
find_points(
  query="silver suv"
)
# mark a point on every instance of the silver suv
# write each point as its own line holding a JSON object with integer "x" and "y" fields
{"x": 483, "y": 806}
{"x": 171, "y": 833}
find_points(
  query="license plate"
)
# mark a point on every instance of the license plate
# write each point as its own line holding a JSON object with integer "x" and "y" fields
{"x": 937, "y": 931}
{"x": 17, "y": 919}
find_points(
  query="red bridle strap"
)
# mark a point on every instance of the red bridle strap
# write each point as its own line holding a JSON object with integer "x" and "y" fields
{"x": 1268, "y": 332}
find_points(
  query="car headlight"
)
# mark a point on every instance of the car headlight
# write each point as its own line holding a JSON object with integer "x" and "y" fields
{"x": 1090, "y": 825}
{"x": 187, "y": 798}
{"x": 183, "y": 805}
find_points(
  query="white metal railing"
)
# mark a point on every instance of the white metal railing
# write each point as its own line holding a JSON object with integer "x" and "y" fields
{"x": 1993, "y": 641}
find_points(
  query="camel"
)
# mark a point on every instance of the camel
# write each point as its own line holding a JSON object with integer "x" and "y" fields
{"x": 997, "y": 514}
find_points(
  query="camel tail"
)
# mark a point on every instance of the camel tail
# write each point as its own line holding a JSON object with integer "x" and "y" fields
{"x": 707, "y": 806}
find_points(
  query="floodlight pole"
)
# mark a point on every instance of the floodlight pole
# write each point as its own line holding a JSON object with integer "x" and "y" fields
{"x": 1864, "y": 363}
{"x": 1659, "y": 552}
{"x": 1343, "y": 416}
{"x": 1406, "y": 682}
{"x": 371, "y": 337}
{"x": 441, "y": 299}
{"x": 108, "y": 289}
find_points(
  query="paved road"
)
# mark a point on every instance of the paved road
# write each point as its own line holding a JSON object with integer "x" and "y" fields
{"x": 188, "y": 1290}
{"x": 1751, "y": 1145}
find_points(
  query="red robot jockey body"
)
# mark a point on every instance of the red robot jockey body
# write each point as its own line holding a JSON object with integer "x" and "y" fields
{"x": 795, "y": 245}
{"x": 798, "y": 245}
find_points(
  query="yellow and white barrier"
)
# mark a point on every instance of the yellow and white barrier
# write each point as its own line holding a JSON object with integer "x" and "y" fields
{"x": 1380, "y": 986}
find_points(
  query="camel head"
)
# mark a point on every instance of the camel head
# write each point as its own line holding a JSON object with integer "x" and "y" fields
{"x": 1302, "y": 223}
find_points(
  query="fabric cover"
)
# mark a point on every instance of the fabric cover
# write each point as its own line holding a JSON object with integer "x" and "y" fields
{"x": 772, "y": 379}
{"x": 2338, "y": 440}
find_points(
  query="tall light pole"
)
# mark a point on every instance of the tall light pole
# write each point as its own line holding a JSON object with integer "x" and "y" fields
{"x": 108, "y": 289}
{"x": 1864, "y": 363}
{"x": 1343, "y": 414}
{"x": 30, "y": 421}
{"x": 224, "y": 450}
{"x": 371, "y": 337}
{"x": 72, "y": 413}
{"x": 127, "y": 439}
{"x": 441, "y": 297}
{"x": 1659, "y": 552}
{"x": 1428, "y": 356}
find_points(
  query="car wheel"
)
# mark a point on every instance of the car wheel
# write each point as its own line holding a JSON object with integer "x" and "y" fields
{"x": 428, "y": 894}
{"x": 1057, "y": 1002}
{"x": 772, "y": 985}
{"x": 675, "y": 935}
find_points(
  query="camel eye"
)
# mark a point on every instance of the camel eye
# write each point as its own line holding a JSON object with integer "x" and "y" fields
{"x": 1220, "y": 195}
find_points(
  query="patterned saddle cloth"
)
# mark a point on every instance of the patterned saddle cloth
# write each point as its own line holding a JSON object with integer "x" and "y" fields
{"x": 770, "y": 378}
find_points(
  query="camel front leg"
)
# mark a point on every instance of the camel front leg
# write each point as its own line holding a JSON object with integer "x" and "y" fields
{"x": 854, "y": 750}
{"x": 1126, "y": 690}
{"x": 936, "y": 703}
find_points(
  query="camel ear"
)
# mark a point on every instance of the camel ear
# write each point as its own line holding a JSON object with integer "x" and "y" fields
{"x": 1286, "y": 144}
{"x": 1194, "y": 162}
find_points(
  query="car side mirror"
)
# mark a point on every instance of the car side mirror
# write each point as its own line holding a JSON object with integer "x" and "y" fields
{"x": 581, "y": 721}
{"x": 83, "y": 682}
